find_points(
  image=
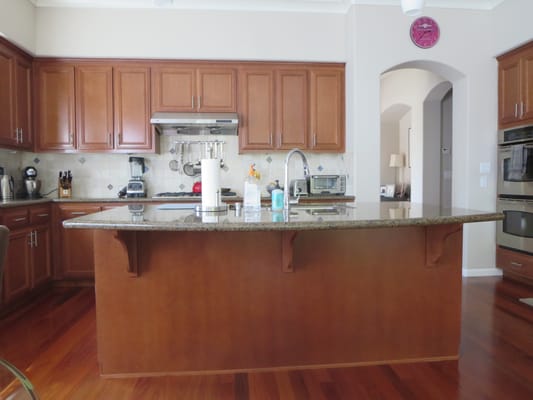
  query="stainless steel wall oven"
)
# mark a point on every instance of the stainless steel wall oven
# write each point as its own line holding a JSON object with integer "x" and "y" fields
{"x": 515, "y": 189}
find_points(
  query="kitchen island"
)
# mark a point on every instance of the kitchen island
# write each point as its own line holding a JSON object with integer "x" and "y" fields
{"x": 180, "y": 292}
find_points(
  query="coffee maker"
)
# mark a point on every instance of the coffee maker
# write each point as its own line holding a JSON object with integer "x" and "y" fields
{"x": 136, "y": 187}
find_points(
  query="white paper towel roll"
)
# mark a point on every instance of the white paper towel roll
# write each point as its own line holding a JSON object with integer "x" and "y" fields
{"x": 210, "y": 182}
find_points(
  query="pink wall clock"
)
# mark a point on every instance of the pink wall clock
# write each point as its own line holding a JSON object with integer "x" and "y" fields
{"x": 424, "y": 32}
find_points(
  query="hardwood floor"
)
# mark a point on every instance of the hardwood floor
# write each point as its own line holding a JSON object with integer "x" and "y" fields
{"x": 53, "y": 341}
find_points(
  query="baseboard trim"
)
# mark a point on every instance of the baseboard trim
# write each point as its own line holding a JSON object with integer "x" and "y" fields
{"x": 469, "y": 272}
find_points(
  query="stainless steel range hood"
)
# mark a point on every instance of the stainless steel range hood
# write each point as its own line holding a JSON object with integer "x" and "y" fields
{"x": 168, "y": 123}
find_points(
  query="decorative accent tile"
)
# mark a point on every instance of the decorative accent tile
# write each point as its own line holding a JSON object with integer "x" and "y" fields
{"x": 320, "y": 168}
{"x": 110, "y": 186}
{"x": 81, "y": 160}
{"x": 269, "y": 159}
{"x": 172, "y": 150}
{"x": 36, "y": 160}
{"x": 181, "y": 186}
{"x": 225, "y": 168}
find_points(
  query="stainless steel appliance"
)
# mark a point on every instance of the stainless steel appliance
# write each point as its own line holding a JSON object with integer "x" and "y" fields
{"x": 7, "y": 187}
{"x": 32, "y": 185}
{"x": 515, "y": 163}
{"x": 327, "y": 184}
{"x": 169, "y": 123}
{"x": 516, "y": 230}
{"x": 298, "y": 187}
{"x": 515, "y": 189}
{"x": 136, "y": 186}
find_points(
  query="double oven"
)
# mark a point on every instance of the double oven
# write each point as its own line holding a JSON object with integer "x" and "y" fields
{"x": 515, "y": 189}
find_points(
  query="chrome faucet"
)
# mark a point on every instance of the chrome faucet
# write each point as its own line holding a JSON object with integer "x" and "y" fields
{"x": 286, "y": 199}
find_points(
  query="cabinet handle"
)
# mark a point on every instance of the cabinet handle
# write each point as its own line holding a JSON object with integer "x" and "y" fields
{"x": 521, "y": 109}
{"x": 516, "y": 110}
{"x": 192, "y": 102}
{"x": 199, "y": 102}
{"x": 78, "y": 213}
{"x": 19, "y": 219}
{"x": 71, "y": 138}
{"x": 270, "y": 139}
{"x": 21, "y": 133}
{"x": 35, "y": 243}
{"x": 314, "y": 139}
{"x": 110, "y": 139}
{"x": 42, "y": 215}
{"x": 30, "y": 242}
{"x": 516, "y": 264}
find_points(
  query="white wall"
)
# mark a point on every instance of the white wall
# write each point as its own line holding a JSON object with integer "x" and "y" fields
{"x": 17, "y": 23}
{"x": 511, "y": 25}
{"x": 181, "y": 34}
{"x": 469, "y": 65}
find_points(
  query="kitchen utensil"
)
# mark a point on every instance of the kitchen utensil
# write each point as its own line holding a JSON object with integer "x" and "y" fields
{"x": 7, "y": 187}
{"x": 191, "y": 169}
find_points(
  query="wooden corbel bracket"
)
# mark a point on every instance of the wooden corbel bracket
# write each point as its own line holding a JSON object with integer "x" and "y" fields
{"x": 436, "y": 236}
{"x": 128, "y": 239}
{"x": 287, "y": 261}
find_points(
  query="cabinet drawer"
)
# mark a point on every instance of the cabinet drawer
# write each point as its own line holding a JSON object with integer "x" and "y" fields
{"x": 39, "y": 215}
{"x": 16, "y": 218}
{"x": 73, "y": 212}
{"x": 515, "y": 263}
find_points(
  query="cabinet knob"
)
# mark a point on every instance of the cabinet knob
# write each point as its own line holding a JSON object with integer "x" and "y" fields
{"x": 516, "y": 264}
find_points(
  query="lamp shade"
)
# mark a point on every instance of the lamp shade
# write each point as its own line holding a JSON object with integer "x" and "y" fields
{"x": 412, "y": 7}
{"x": 396, "y": 160}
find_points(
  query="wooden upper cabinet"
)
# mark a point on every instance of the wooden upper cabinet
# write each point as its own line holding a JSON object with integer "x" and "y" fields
{"x": 15, "y": 99}
{"x": 173, "y": 89}
{"x": 56, "y": 108}
{"x": 132, "y": 108}
{"x": 217, "y": 90}
{"x": 327, "y": 110}
{"x": 7, "y": 123}
{"x": 292, "y": 109}
{"x": 286, "y": 106}
{"x": 256, "y": 106}
{"x": 193, "y": 89}
{"x": 23, "y": 108}
{"x": 94, "y": 107}
{"x": 515, "y": 87}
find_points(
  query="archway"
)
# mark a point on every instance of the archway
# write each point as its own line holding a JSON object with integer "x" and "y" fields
{"x": 426, "y": 88}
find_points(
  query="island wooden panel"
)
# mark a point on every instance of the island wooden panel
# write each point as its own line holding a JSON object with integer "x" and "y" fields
{"x": 220, "y": 301}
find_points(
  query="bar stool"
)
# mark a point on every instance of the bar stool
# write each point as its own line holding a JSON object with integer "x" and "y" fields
{"x": 14, "y": 385}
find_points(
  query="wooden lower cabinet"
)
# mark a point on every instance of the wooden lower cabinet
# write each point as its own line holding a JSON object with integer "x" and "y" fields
{"x": 74, "y": 247}
{"x": 515, "y": 265}
{"x": 28, "y": 261}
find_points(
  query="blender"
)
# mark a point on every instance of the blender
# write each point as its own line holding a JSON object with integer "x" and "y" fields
{"x": 136, "y": 187}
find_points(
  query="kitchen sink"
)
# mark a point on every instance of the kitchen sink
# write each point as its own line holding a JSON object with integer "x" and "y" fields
{"x": 317, "y": 209}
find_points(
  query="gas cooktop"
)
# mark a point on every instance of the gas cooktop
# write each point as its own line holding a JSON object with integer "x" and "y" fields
{"x": 170, "y": 195}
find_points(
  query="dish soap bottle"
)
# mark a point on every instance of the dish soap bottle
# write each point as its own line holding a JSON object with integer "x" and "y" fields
{"x": 252, "y": 190}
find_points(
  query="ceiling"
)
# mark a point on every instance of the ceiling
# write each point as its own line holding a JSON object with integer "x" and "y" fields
{"x": 331, "y": 6}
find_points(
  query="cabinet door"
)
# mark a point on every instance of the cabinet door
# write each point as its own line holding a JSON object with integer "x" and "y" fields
{"x": 23, "y": 87}
{"x": 291, "y": 110}
{"x": 56, "y": 122}
{"x": 40, "y": 261}
{"x": 94, "y": 107}
{"x": 17, "y": 265}
{"x": 527, "y": 86}
{"x": 132, "y": 108}
{"x": 509, "y": 90}
{"x": 217, "y": 90}
{"x": 7, "y": 124}
{"x": 173, "y": 89}
{"x": 256, "y": 109}
{"x": 327, "y": 110}
{"x": 77, "y": 255}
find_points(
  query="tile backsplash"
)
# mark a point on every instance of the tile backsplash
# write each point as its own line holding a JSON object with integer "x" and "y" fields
{"x": 103, "y": 175}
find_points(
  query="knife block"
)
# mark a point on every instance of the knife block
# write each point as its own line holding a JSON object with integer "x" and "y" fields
{"x": 64, "y": 190}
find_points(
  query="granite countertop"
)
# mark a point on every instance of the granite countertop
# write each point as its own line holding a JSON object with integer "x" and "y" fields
{"x": 181, "y": 199}
{"x": 169, "y": 217}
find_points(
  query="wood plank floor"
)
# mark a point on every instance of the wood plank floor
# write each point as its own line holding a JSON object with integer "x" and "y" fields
{"x": 53, "y": 342}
